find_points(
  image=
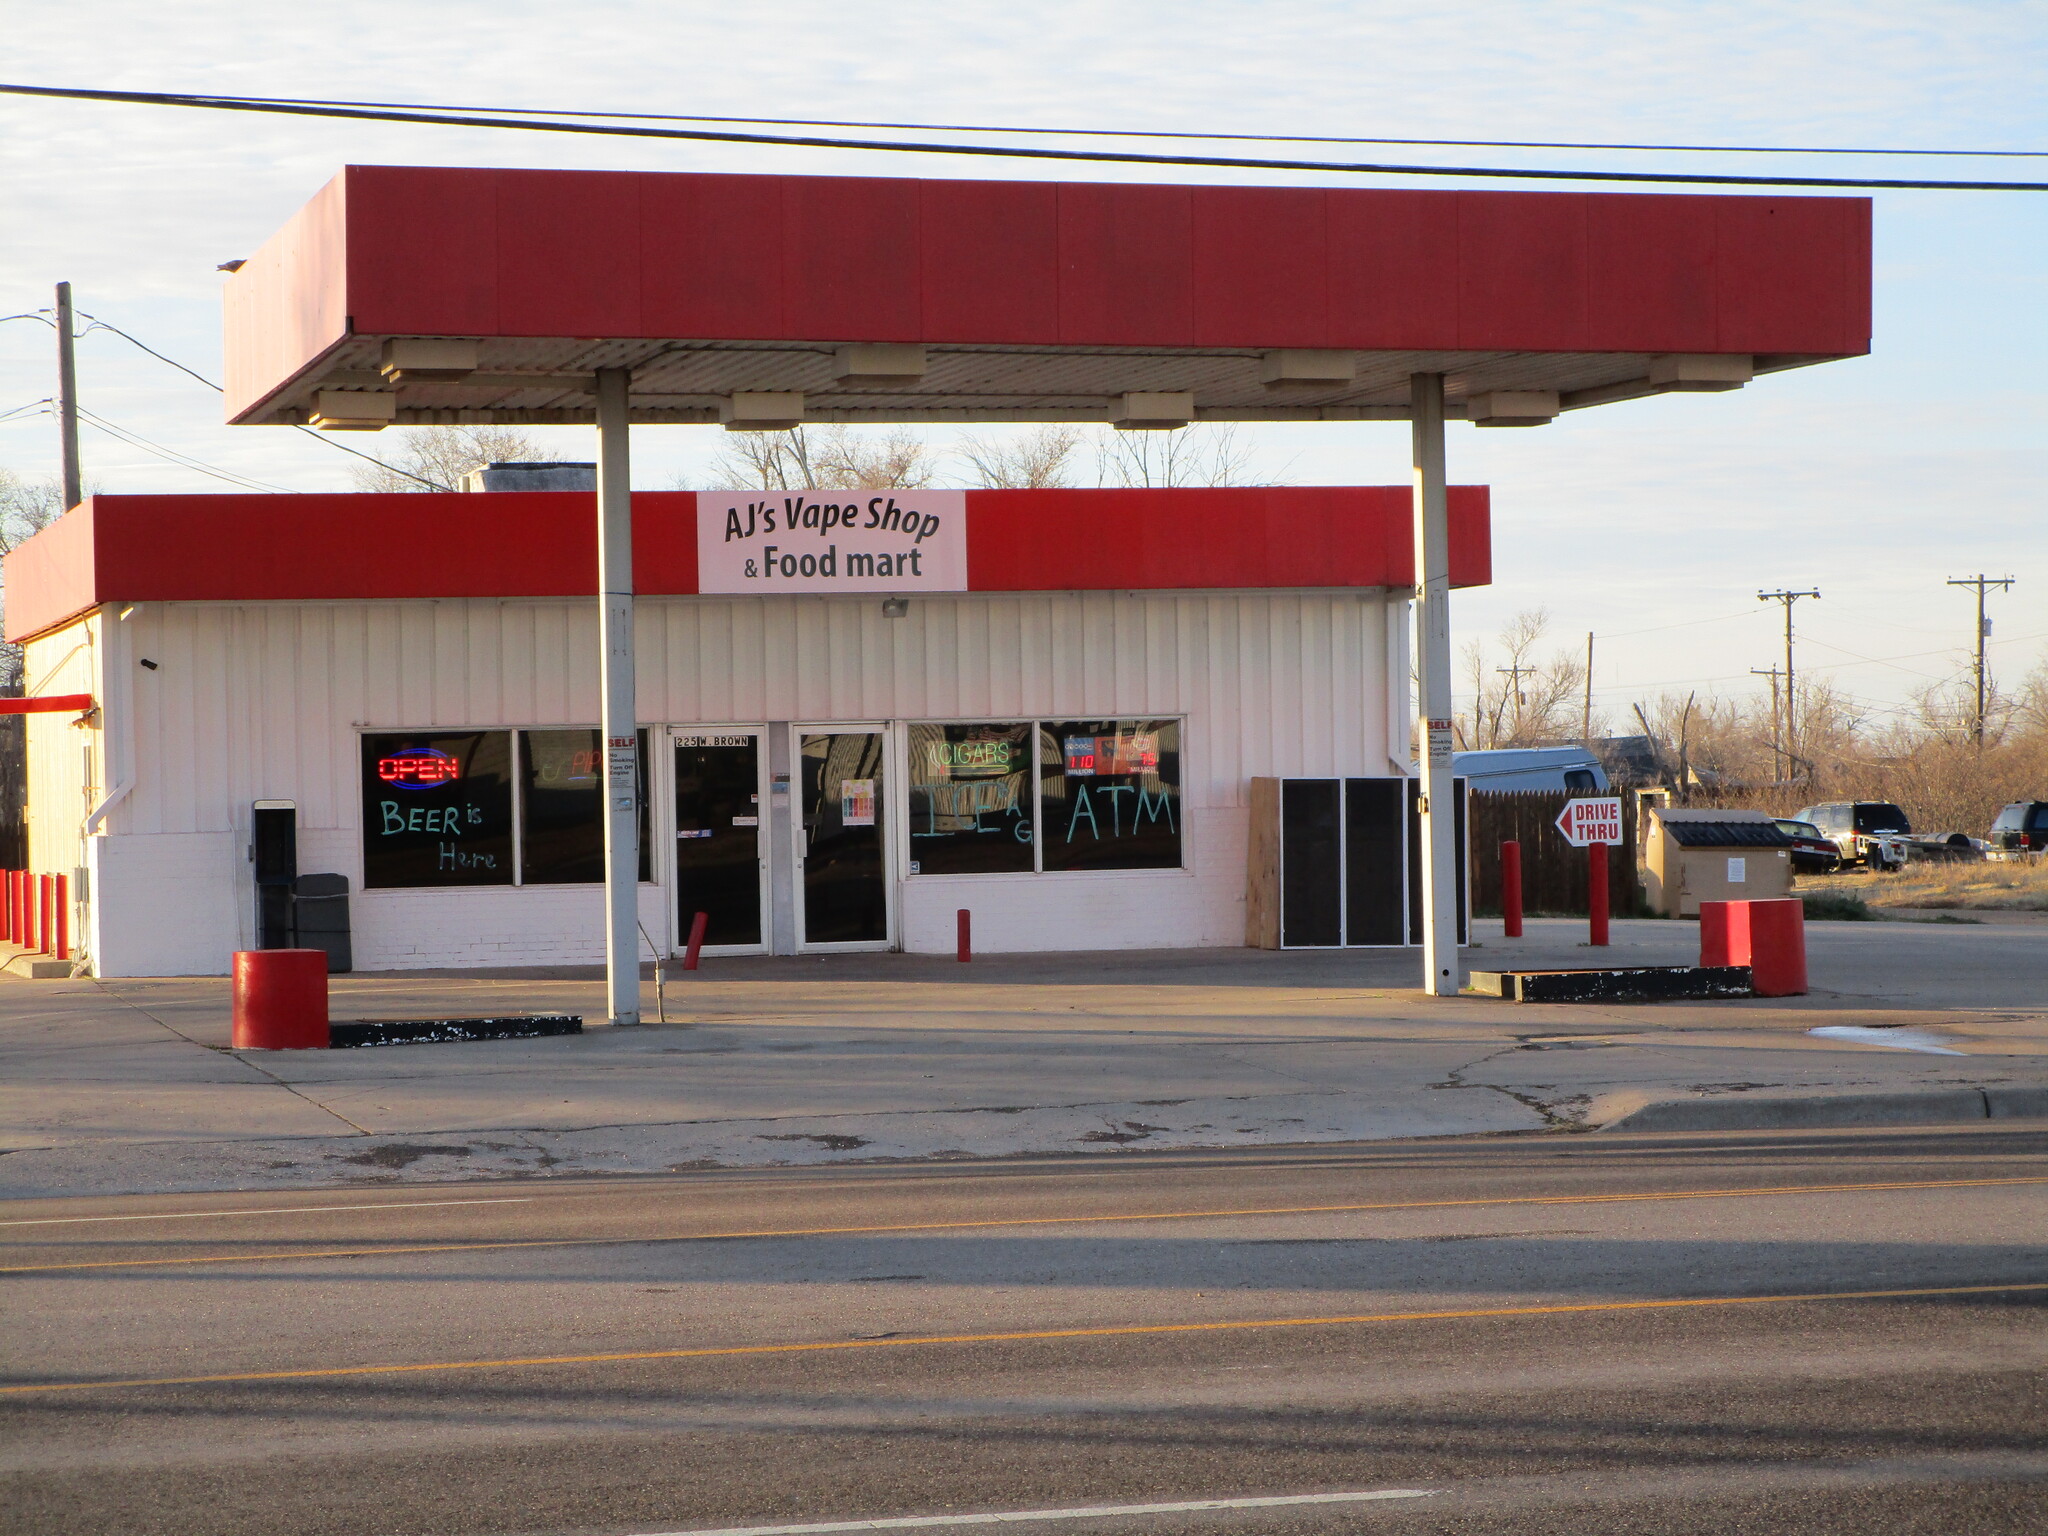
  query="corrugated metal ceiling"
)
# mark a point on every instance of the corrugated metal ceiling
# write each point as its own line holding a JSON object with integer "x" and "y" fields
{"x": 684, "y": 381}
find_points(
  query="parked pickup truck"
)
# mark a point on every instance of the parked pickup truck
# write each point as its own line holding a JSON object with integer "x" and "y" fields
{"x": 1873, "y": 833}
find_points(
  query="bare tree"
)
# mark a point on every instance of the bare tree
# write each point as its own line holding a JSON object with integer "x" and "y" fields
{"x": 1949, "y": 709}
{"x": 828, "y": 458}
{"x": 2030, "y": 704}
{"x": 1527, "y": 701}
{"x": 1203, "y": 454}
{"x": 1040, "y": 459}
{"x": 443, "y": 455}
{"x": 28, "y": 506}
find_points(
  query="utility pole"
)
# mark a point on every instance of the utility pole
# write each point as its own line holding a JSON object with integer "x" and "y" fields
{"x": 1981, "y": 582}
{"x": 1586, "y": 720}
{"x": 1791, "y": 698}
{"x": 67, "y": 402}
{"x": 1777, "y": 741}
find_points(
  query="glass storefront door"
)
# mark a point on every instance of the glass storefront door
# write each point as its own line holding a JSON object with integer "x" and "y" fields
{"x": 841, "y": 839}
{"x": 718, "y": 841}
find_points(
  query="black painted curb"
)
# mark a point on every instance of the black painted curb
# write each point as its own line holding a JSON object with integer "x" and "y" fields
{"x": 1614, "y": 984}
{"x": 348, "y": 1033}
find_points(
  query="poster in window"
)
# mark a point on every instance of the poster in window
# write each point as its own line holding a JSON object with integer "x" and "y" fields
{"x": 437, "y": 809}
{"x": 970, "y": 799}
{"x": 1111, "y": 794}
{"x": 856, "y": 802}
{"x": 561, "y": 833}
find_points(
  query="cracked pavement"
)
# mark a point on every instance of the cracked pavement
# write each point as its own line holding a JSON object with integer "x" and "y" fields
{"x": 129, "y": 1085}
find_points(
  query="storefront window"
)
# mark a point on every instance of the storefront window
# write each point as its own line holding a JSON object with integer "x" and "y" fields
{"x": 561, "y": 822}
{"x": 970, "y": 799}
{"x": 437, "y": 809}
{"x": 1110, "y": 793}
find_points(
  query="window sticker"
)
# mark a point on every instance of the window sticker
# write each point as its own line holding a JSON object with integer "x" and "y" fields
{"x": 857, "y": 802}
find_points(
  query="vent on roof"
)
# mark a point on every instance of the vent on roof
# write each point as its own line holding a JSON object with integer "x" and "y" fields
{"x": 531, "y": 477}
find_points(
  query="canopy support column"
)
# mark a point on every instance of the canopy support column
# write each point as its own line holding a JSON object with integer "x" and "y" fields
{"x": 1441, "y": 976}
{"x": 618, "y": 726}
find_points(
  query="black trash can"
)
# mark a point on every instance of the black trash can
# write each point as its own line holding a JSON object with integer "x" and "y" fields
{"x": 320, "y": 918}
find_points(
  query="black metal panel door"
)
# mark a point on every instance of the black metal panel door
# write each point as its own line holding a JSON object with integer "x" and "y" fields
{"x": 1375, "y": 859}
{"x": 1311, "y": 893}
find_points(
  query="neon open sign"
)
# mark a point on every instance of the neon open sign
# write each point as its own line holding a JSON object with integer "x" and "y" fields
{"x": 418, "y": 768}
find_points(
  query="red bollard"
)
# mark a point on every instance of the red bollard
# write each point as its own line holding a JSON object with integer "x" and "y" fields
{"x": 1777, "y": 947}
{"x": 17, "y": 913}
{"x": 7, "y": 905}
{"x": 963, "y": 941}
{"x": 697, "y": 926}
{"x": 280, "y": 1000}
{"x": 24, "y": 914}
{"x": 1596, "y": 893}
{"x": 46, "y": 902}
{"x": 1511, "y": 888}
{"x": 63, "y": 946}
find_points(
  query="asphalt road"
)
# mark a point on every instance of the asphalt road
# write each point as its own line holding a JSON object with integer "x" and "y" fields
{"x": 1785, "y": 1333}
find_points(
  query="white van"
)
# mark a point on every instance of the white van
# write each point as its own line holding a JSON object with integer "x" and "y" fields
{"x": 1517, "y": 768}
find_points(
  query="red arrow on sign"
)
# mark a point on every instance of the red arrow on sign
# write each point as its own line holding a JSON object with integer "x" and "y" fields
{"x": 1586, "y": 822}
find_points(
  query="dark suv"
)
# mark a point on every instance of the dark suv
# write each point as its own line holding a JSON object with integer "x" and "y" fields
{"x": 2021, "y": 827}
{"x": 1869, "y": 832}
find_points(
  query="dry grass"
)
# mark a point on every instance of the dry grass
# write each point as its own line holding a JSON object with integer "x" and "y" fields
{"x": 2009, "y": 887}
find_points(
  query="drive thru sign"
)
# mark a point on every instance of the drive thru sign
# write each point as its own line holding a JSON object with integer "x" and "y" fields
{"x": 1586, "y": 822}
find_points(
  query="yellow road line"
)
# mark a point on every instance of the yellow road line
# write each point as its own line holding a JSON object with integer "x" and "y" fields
{"x": 267, "y": 1210}
{"x": 1127, "y": 1330}
{"x": 1019, "y": 1221}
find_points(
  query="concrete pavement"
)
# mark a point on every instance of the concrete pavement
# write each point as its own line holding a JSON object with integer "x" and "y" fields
{"x": 128, "y": 1085}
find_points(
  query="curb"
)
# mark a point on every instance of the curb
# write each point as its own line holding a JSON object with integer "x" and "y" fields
{"x": 1744, "y": 1112}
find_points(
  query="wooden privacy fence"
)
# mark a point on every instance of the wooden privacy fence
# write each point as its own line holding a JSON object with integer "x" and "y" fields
{"x": 1553, "y": 871}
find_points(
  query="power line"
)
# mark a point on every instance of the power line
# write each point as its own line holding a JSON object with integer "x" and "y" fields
{"x": 101, "y": 325}
{"x": 1142, "y": 133}
{"x": 371, "y": 458}
{"x": 294, "y": 108}
{"x": 1881, "y": 661}
{"x": 1659, "y": 629}
{"x": 174, "y": 456}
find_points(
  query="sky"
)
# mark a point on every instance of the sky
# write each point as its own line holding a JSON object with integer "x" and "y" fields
{"x": 1652, "y": 524}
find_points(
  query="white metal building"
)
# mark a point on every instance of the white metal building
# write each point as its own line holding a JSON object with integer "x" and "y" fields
{"x": 1063, "y": 748}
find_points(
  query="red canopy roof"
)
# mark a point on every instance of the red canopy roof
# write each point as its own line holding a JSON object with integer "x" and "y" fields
{"x": 1034, "y": 300}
